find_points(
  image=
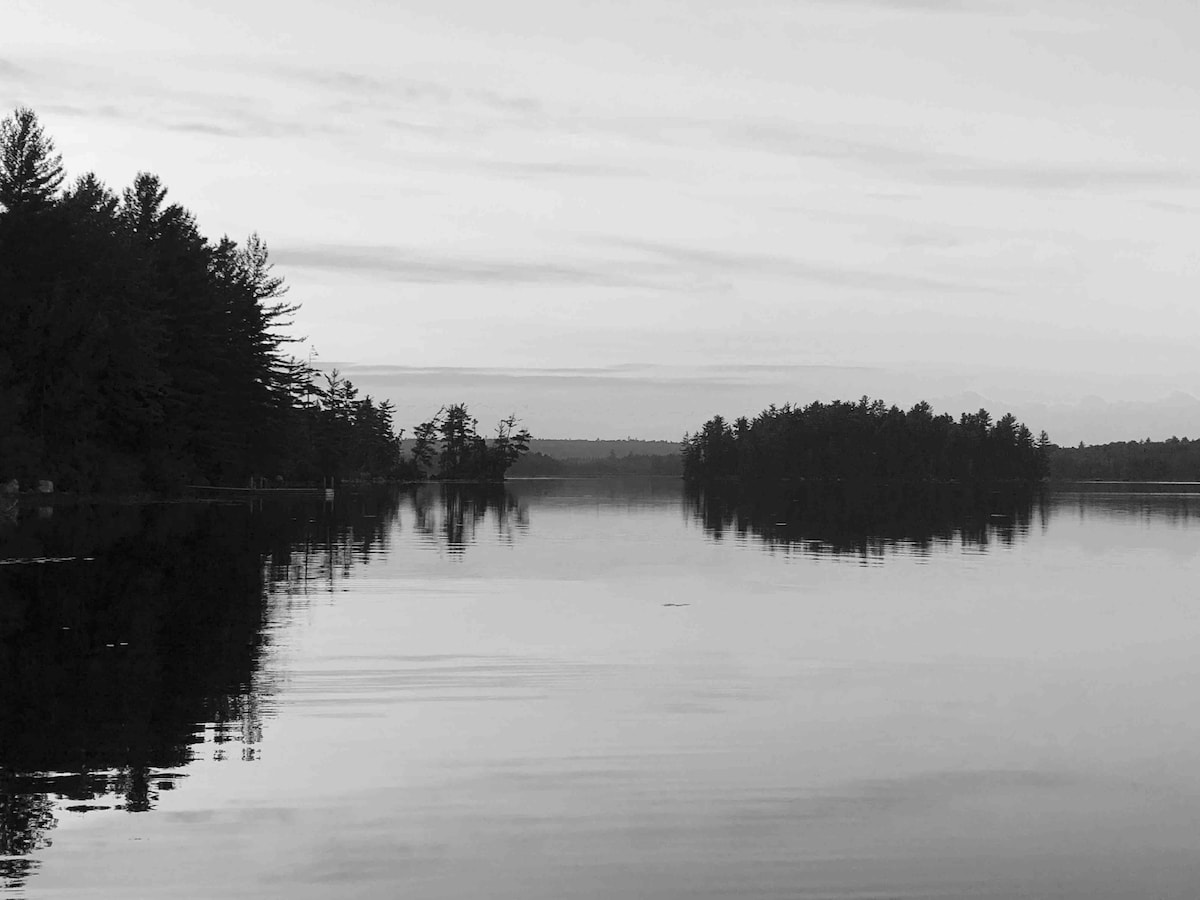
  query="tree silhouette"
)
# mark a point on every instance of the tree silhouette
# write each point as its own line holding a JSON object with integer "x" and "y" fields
{"x": 867, "y": 440}
{"x": 461, "y": 453}
{"x": 30, "y": 171}
{"x": 135, "y": 352}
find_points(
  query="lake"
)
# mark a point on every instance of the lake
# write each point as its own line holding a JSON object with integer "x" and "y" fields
{"x": 599, "y": 689}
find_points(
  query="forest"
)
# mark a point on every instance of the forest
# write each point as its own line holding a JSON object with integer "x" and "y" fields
{"x": 138, "y": 354}
{"x": 866, "y": 440}
{"x": 1175, "y": 459}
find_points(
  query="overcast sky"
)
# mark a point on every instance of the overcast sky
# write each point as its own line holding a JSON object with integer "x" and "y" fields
{"x": 578, "y": 184}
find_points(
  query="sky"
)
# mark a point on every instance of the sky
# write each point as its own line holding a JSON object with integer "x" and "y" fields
{"x": 678, "y": 204}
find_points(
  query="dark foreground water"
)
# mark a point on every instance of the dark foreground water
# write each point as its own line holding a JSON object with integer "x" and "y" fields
{"x": 569, "y": 690}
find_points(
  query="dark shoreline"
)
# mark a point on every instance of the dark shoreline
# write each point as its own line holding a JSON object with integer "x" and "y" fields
{"x": 216, "y": 494}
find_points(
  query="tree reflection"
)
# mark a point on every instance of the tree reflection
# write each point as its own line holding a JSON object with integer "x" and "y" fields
{"x": 867, "y": 520}
{"x": 451, "y": 514}
{"x": 1173, "y": 504}
{"x": 315, "y": 542}
{"x": 130, "y": 635}
{"x": 25, "y": 820}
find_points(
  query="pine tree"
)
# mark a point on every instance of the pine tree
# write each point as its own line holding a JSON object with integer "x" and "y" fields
{"x": 30, "y": 171}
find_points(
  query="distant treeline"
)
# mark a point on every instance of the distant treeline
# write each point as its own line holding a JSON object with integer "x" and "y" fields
{"x": 539, "y": 465}
{"x": 865, "y": 440}
{"x": 565, "y": 458}
{"x": 558, "y": 448}
{"x": 1176, "y": 459}
{"x": 136, "y": 353}
{"x": 575, "y": 449}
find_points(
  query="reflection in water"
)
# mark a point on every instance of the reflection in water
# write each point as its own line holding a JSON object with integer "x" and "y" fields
{"x": 311, "y": 543}
{"x": 867, "y": 520}
{"x": 149, "y": 623}
{"x": 486, "y": 702}
{"x": 1173, "y": 504}
{"x": 451, "y": 514}
{"x": 131, "y": 635}
{"x": 630, "y": 494}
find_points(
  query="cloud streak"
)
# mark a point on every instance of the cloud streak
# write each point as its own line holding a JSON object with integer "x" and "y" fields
{"x": 534, "y": 170}
{"x": 400, "y": 265}
{"x": 343, "y": 95}
{"x": 1082, "y": 176}
{"x": 730, "y": 262}
{"x": 899, "y": 159}
{"x": 525, "y": 170}
{"x": 654, "y": 265}
{"x": 368, "y": 89}
{"x": 12, "y": 70}
{"x": 215, "y": 115}
{"x": 650, "y": 374}
{"x": 933, "y": 166}
{"x": 978, "y": 7}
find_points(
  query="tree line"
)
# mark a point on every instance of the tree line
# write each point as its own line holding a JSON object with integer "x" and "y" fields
{"x": 866, "y": 440}
{"x": 1175, "y": 459}
{"x": 137, "y": 353}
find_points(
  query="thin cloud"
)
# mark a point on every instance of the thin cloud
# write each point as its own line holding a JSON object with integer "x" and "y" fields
{"x": 218, "y": 117}
{"x": 1040, "y": 176}
{"x": 801, "y": 270}
{"x": 532, "y": 170}
{"x": 896, "y": 231}
{"x": 369, "y": 87}
{"x": 1180, "y": 208}
{"x": 360, "y": 85}
{"x": 209, "y": 128}
{"x": 933, "y": 166}
{"x": 247, "y": 125}
{"x": 928, "y": 239}
{"x": 102, "y": 111}
{"x": 620, "y": 377}
{"x": 978, "y": 7}
{"x": 661, "y": 267}
{"x": 510, "y": 102}
{"x": 787, "y": 139}
{"x": 397, "y": 264}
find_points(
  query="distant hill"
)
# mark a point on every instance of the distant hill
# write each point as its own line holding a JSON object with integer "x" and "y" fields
{"x": 597, "y": 449}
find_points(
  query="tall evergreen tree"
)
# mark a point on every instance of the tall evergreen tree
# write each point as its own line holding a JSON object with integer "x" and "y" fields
{"x": 30, "y": 171}
{"x": 134, "y": 352}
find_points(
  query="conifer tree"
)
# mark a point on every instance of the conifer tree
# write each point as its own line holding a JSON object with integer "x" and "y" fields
{"x": 30, "y": 171}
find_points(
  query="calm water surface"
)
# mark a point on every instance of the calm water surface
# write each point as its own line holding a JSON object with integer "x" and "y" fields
{"x": 595, "y": 689}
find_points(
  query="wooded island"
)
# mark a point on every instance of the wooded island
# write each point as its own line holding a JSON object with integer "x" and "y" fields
{"x": 867, "y": 440}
